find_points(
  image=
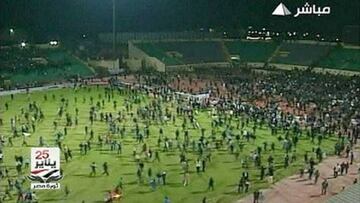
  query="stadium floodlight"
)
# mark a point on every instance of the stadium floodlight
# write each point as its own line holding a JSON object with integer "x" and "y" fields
{"x": 54, "y": 43}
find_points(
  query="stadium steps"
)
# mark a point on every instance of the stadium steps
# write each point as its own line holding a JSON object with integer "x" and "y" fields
{"x": 275, "y": 53}
{"x": 83, "y": 63}
{"x": 225, "y": 51}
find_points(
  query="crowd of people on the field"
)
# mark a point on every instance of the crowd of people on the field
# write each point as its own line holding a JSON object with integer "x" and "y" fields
{"x": 293, "y": 105}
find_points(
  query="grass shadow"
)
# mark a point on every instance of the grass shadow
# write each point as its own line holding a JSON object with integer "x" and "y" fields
{"x": 301, "y": 180}
{"x": 174, "y": 184}
{"x": 173, "y": 164}
{"x": 230, "y": 193}
{"x": 81, "y": 175}
{"x": 53, "y": 199}
{"x": 198, "y": 192}
{"x": 144, "y": 192}
{"x": 309, "y": 183}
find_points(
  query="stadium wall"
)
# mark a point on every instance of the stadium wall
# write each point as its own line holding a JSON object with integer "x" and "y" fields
{"x": 256, "y": 64}
{"x": 315, "y": 69}
{"x": 288, "y": 66}
{"x": 335, "y": 71}
{"x": 190, "y": 67}
{"x": 124, "y": 37}
{"x": 104, "y": 63}
{"x": 133, "y": 64}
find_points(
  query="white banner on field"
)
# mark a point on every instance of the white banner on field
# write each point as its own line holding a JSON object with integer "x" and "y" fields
{"x": 194, "y": 96}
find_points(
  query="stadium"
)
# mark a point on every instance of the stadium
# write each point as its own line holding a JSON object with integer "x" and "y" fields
{"x": 179, "y": 102}
{"x": 185, "y": 55}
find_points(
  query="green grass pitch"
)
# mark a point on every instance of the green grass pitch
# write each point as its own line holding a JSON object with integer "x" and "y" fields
{"x": 224, "y": 168}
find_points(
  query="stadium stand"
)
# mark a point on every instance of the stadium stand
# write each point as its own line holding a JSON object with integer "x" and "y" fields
{"x": 342, "y": 58}
{"x": 185, "y": 52}
{"x": 349, "y": 195}
{"x": 31, "y": 65}
{"x": 251, "y": 51}
{"x": 300, "y": 54}
{"x": 154, "y": 50}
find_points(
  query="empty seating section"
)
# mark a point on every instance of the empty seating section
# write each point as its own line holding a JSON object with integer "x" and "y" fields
{"x": 21, "y": 66}
{"x": 152, "y": 49}
{"x": 251, "y": 51}
{"x": 292, "y": 53}
{"x": 300, "y": 54}
{"x": 196, "y": 52}
{"x": 186, "y": 52}
{"x": 342, "y": 58}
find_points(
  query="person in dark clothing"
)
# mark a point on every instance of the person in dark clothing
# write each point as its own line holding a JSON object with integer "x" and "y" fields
{"x": 256, "y": 196}
{"x": 211, "y": 184}
{"x": 324, "y": 186}
{"x": 262, "y": 172}
{"x": 203, "y": 165}
{"x": 241, "y": 185}
{"x": 67, "y": 191}
{"x": 311, "y": 171}
{"x": 163, "y": 176}
{"x": 317, "y": 175}
{"x": 105, "y": 168}
{"x": 93, "y": 169}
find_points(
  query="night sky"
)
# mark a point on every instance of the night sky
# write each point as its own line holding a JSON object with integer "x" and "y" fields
{"x": 73, "y": 17}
